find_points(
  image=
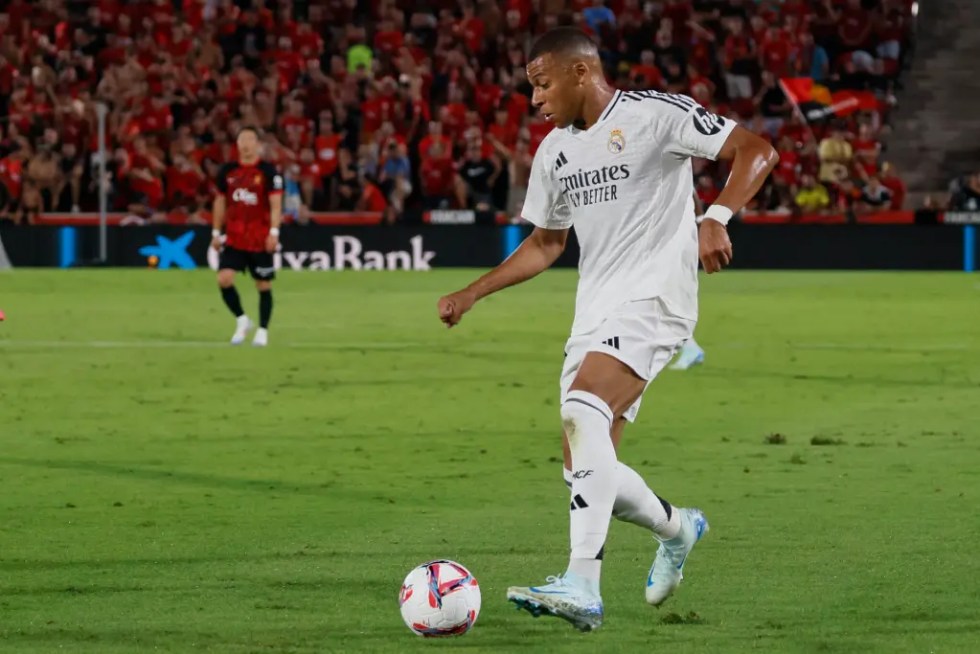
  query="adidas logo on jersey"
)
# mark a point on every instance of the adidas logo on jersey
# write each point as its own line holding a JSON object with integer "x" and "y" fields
{"x": 612, "y": 342}
{"x": 560, "y": 161}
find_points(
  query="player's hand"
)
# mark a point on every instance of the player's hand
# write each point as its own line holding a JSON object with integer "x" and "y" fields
{"x": 217, "y": 242}
{"x": 271, "y": 243}
{"x": 714, "y": 245}
{"x": 453, "y": 306}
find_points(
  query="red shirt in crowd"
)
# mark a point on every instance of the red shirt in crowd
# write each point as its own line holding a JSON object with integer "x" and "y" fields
{"x": 437, "y": 177}
{"x": 538, "y": 130}
{"x": 647, "y": 75}
{"x": 427, "y": 142}
{"x": 517, "y": 106}
{"x": 506, "y": 133}
{"x": 472, "y": 29}
{"x": 776, "y": 52}
{"x": 297, "y": 128}
{"x": 486, "y": 97}
{"x": 311, "y": 172}
{"x": 853, "y": 24}
{"x": 185, "y": 183}
{"x": 374, "y": 199}
{"x": 455, "y": 119}
{"x": 247, "y": 189}
{"x": 788, "y": 169}
{"x": 326, "y": 146}
{"x": 898, "y": 189}
{"x": 389, "y": 41}
{"x": 151, "y": 189}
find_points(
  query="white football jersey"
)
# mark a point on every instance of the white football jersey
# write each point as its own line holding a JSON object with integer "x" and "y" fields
{"x": 626, "y": 186}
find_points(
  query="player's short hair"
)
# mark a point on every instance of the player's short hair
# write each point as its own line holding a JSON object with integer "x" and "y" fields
{"x": 563, "y": 41}
{"x": 248, "y": 128}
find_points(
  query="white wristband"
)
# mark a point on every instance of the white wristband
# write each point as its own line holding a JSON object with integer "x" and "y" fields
{"x": 719, "y": 213}
{"x": 274, "y": 231}
{"x": 215, "y": 233}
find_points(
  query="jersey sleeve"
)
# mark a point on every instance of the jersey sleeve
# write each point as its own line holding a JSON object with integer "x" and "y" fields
{"x": 545, "y": 205}
{"x": 694, "y": 131}
{"x": 221, "y": 179}
{"x": 273, "y": 180}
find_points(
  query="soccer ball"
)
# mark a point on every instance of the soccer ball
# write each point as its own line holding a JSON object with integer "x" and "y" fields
{"x": 439, "y": 598}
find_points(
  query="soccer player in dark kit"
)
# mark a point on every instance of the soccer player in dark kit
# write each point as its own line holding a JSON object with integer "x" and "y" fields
{"x": 249, "y": 206}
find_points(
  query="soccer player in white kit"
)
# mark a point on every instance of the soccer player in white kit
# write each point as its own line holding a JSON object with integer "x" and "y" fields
{"x": 617, "y": 168}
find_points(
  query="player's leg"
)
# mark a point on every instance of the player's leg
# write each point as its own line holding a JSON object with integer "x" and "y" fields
{"x": 229, "y": 262}
{"x": 691, "y": 355}
{"x": 263, "y": 272}
{"x": 604, "y": 388}
{"x": 676, "y": 529}
{"x": 635, "y": 502}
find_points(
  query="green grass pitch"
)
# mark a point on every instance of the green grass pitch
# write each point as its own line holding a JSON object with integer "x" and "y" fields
{"x": 163, "y": 491}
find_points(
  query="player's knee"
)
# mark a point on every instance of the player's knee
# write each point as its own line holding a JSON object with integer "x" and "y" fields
{"x": 226, "y": 278}
{"x": 263, "y": 285}
{"x": 580, "y": 410}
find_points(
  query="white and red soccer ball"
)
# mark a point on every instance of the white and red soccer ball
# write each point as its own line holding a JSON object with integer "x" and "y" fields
{"x": 440, "y": 598}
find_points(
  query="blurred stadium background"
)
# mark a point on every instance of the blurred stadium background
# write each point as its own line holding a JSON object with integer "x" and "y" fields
{"x": 393, "y": 112}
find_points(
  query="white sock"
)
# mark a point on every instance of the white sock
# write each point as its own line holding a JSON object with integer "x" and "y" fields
{"x": 587, "y": 420}
{"x": 691, "y": 343}
{"x": 636, "y": 503}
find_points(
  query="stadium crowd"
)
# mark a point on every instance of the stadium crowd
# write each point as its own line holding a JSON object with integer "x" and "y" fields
{"x": 397, "y": 106}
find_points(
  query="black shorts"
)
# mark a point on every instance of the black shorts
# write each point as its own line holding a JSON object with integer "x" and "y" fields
{"x": 259, "y": 264}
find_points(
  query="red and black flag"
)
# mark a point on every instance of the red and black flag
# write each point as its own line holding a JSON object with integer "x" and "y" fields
{"x": 817, "y": 102}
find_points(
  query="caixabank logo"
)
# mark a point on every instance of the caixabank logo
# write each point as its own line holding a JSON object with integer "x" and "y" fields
{"x": 170, "y": 252}
{"x": 349, "y": 253}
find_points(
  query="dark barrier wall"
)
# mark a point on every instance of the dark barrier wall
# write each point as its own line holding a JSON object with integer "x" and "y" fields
{"x": 312, "y": 247}
{"x": 870, "y": 247}
{"x": 841, "y": 247}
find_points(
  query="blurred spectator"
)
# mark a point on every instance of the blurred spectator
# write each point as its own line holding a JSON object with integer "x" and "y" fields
{"x": 42, "y": 181}
{"x": 867, "y": 149}
{"x": 811, "y": 59}
{"x": 874, "y": 196}
{"x": 965, "y": 193}
{"x": 740, "y": 60}
{"x": 437, "y": 176}
{"x": 894, "y": 183}
{"x": 519, "y": 159}
{"x": 836, "y": 155}
{"x": 812, "y": 196}
{"x": 396, "y": 175}
{"x": 475, "y": 179}
{"x": 598, "y": 16}
{"x": 772, "y": 103}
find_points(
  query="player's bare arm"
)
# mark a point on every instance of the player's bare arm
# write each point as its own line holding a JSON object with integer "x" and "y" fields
{"x": 752, "y": 161}
{"x": 535, "y": 255}
{"x": 217, "y": 220}
{"x": 275, "y": 219}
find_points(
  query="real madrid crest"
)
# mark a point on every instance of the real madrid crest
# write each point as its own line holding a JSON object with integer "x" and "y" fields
{"x": 617, "y": 142}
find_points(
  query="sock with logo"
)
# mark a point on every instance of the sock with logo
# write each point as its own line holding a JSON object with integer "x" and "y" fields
{"x": 587, "y": 420}
{"x": 265, "y": 308}
{"x": 637, "y": 504}
{"x": 230, "y": 296}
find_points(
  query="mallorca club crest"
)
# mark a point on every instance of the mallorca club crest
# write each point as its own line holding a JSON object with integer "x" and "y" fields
{"x": 617, "y": 142}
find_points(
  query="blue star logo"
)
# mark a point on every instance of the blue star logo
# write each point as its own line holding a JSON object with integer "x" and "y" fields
{"x": 171, "y": 253}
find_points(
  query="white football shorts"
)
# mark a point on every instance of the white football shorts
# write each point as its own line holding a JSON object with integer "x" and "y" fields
{"x": 644, "y": 335}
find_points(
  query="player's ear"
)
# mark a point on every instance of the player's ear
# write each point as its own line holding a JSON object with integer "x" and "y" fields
{"x": 579, "y": 72}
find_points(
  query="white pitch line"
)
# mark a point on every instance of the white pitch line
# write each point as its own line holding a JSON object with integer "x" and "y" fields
{"x": 165, "y": 344}
{"x": 953, "y": 347}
